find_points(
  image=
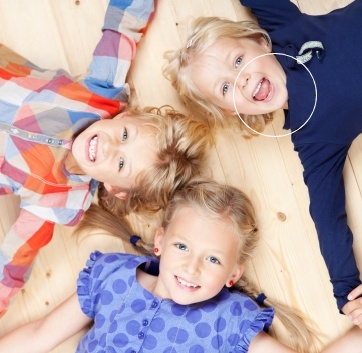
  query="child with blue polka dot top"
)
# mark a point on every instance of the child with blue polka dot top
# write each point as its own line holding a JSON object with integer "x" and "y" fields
{"x": 194, "y": 298}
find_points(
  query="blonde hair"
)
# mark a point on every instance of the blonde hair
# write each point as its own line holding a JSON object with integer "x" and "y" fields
{"x": 182, "y": 144}
{"x": 217, "y": 201}
{"x": 203, "y": 33}
{"x": 221, "y": 201}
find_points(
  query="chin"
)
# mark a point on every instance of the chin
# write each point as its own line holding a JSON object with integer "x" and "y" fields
{"x": 183, "y": 301}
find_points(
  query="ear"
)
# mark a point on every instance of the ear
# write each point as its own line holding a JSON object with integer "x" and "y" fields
{"x": 264, "y": 44}
{"x": 236, "y": 275}
{"x": 159, "y": 236}
{"x": 121, "y": 115}
{"x": 121, "y": 194}
{"x": 230, "y": 112}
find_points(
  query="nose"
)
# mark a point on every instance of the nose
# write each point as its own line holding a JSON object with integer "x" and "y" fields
{"x": 111, "y": 147}
{"x": 192, "y": 265}
{"x": 242, "y": 80}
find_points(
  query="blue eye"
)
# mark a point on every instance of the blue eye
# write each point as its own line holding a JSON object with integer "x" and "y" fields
{"x": 182, "y": 247}
{"x": 213, "y": 260}
{"x": 120, "y": 164}
{"x": 225, "y": 88}
{"x": 125, "y": 134}
{"x": 238, "y": 62}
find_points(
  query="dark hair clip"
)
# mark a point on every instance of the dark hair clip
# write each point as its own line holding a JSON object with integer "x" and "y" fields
{"x": 260, "y": 298}
{"x": 134, "y": 239}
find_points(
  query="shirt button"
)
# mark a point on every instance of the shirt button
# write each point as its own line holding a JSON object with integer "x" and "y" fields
{"x": 133, "y": 351}
{"x": 141, "y": 335}
{"x": 154, "y": 304}
{"x": 145, "y": 322}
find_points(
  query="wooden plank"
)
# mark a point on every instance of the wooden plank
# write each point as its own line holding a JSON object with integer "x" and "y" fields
{"x": 319, "y": 7}
{"x": 53, "y": 34}
{"x": 287, "y": 266}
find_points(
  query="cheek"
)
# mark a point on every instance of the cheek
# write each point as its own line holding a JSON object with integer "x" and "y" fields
{"x": 218, "y": 279}
{"x": 166, "y": 266}
{"x": 95, "y": 126}
{"x": 171, "y": 260}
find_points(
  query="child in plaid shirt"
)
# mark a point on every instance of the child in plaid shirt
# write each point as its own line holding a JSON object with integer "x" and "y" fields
{"x": 57, "y": 138}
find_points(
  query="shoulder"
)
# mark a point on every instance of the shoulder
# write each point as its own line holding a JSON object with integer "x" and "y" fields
{"x": 272, "y": 17}
{"x": 252, "y": 319}
{"x": 106, "y": 268}
{"x": 237, "y": 307}
{"x": 99, "y": 262}
{"x": 237, "y": 317}
{"x": 105, "y": 275}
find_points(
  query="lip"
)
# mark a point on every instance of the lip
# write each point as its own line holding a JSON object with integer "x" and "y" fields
{"x": 184, "y": 287}
{"x": 86, "y": 148}
{"x": 270, "y": 94}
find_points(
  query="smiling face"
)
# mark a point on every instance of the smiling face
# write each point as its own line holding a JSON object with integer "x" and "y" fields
{"x": 261, "y": 86}
{"x": 115, "y": 151}
{"x": 198, "y": 257}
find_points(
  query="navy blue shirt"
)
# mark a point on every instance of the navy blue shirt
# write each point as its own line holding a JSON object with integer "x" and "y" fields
{"x": 322, "y": 144}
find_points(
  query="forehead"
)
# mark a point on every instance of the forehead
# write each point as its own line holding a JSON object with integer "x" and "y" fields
{"x": 188, "y": 219}
{"x": 217, "y": 57}
{"x": 225, "y": 42}
{"x": 137, "y": 124}
{"x": 223, "y": 47}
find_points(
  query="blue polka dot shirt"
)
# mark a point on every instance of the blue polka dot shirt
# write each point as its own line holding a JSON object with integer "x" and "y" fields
{"x": 130, "y": 319}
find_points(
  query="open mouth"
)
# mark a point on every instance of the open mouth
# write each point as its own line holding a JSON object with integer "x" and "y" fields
{"x": 262, "y": 90}
{"x": 187, "y": 284}
{"x": 93, "y": 148}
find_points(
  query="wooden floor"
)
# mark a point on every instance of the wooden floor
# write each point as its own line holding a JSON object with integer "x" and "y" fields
{"x": 288, "y": 265}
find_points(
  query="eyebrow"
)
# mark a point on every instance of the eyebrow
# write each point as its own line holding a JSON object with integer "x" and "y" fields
{"x": 128, "y": 170}
{"x": 226, "y": 58}
{"x": 127, "y": 161}
{"x": 211, "y": 252}
{"x": 236, "y": 48}
{"x": 134, "y": 129}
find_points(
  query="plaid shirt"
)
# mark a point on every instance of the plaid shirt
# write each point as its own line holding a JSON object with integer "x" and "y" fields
{"x": 41, "y": 111}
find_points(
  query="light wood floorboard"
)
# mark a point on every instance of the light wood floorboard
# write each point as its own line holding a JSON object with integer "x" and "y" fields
{"x": 288, "y": 265}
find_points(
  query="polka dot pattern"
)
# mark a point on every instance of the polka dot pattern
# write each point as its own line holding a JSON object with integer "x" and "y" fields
{"x": 128, "y": 318}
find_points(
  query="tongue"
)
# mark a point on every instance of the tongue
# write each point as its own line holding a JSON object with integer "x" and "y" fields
{"x": 263, "y": 91}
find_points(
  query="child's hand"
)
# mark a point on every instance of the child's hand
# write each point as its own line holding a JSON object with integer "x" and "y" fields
{"x": 353, "y": 309}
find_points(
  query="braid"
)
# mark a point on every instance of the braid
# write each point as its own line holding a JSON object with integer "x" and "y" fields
{"x": 96, "y": 217}
{"x": 300, "y": 330}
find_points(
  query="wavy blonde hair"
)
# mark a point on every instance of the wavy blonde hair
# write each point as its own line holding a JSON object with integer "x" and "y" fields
{"x": 203, "y": 33}
{"x": 182, "y": 144}
{"x": 215, "y": 201}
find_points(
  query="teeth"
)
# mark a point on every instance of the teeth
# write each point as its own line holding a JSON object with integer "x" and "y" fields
{"x": 92, "y": 148}
{"x": 186, "y": 283}
{"x": 257, "y": 89}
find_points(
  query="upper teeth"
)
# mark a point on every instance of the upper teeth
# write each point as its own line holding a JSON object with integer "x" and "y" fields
{"x": 186, "y": 283}
{"x": 92, "y": 148}
{"x": 257, "y": 89}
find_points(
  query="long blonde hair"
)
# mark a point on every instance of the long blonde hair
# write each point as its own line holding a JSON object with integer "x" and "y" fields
{"x": 204, "y": 32}
{"x": 221, "y": 201}
{"x": 215, "y": 201}
{"x": 182, "y": 144}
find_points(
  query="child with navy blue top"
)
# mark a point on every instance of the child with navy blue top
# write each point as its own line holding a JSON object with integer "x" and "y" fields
{"x": 194, "y": 298}
{"x": 226, "y": 68}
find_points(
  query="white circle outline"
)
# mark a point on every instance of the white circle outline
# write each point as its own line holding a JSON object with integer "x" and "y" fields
{"x": 315, "y": 100}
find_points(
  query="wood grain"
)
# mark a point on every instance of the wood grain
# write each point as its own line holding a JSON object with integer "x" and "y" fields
{"x": 288, "y": 265}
